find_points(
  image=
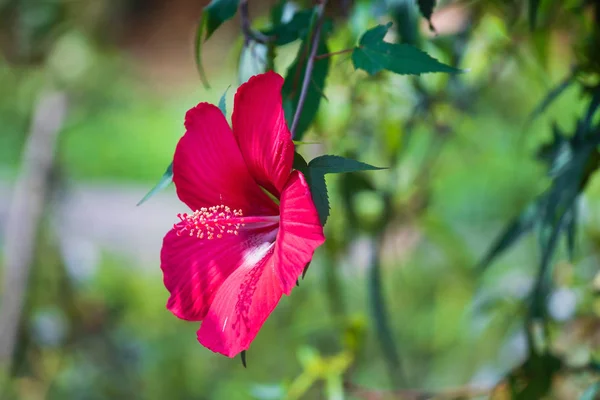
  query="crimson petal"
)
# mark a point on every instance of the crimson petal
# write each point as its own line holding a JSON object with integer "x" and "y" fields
{"x": 241, "y": 306}
{"x": 261, "y": 131}
{"x": 300, "y": 231}
{"x": 208, "y": 168}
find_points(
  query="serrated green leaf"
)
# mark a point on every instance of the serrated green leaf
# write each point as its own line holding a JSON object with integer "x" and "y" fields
{"x": 166, "y": 179}
{"x": 300, "y": 163}
{"x": 373, "y": 55}
{"x": 213, "y": 15}
{"x": 426, "y": 7}
{"x": 222, "y": 102}
{"x": 592, "y": 392}
{"x": 330, "y": 164}
{"x": 318, "y": 190}
{"x": 296, "y": 28}
{"x": 293, "y": 83}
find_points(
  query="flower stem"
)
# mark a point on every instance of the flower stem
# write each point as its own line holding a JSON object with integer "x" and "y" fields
{"x": 310, "y": 63}
{"x": 335, "y": 53}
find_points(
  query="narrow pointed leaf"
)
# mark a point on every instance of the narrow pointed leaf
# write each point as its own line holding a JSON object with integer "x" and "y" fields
{"x": 373, "y": 55}
{"x": 318, "y": 190}
{"x": 513, "y": 232}
{"x": 551, "y": 96}
{"x": 243, "y": 357}
{"x": 329, "y": 164}
{"x": 222, "y": 102}
{"x": 166, "y": 179}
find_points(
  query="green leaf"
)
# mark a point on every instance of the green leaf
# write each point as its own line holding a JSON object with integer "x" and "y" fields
{"x": 166, "y": 179}
{"x": 315, "y": 174}
{"x": 222, "y": 102}
{"x": 243, "y": 356}
{"x": 373, "y": 55}
{"x": 551, "y": 96}
{"x": 296, "y": 28}
{"x": 592, "y": 392}
{"x": 318, "y": 190}
{"x": 213, "y": 15}
{"x": 406, "y": 20}
{"x": 426, "y": 7}
{"x": 513, "y": 232}
{"x": 293, "y": 83}
{"x": 329, "y": 164}
{"x": 534, "y": 5}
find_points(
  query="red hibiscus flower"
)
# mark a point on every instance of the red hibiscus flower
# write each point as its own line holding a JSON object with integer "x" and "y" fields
{"x": 228, "y": 262}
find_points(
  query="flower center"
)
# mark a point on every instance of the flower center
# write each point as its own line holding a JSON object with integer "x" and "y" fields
{"x": 216, "y": 221}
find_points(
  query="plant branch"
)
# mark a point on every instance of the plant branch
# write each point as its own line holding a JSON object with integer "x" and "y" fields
{"x": 335, "y": 53}
{"x": 249, "y": 33}
{"x": 310, "y": 63}
{"x": 26, "y": 212}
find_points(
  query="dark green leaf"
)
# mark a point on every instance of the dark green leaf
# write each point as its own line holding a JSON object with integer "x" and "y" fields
{"x": 518, "y": 227}
{"x": 243, "y": 356}
{"x": 571, "y": 226}
{"x": 406, "y": 20}
{"x": 533, "y": 10}
{"x": 293, "y": 84}
{"x": 373, "y": 55}
{"x": 213, "y": 15}
{"x": 329, "y": 164}
{"x": 426, "y": 7}
{"x": 300, "y": 163}
{"x": 292, "y": 30}
{"x": 592, "y": 392}
{"x": 166, "y": 179}
{"x": 318, "y": 190}
{"x": 222, "y": 103}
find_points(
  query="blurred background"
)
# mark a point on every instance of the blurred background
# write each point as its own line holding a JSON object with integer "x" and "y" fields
{"x": 393, "y": 305}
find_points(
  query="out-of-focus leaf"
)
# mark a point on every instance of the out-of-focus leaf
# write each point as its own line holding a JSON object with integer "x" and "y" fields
{"x": 222, "y": 100}
{"x": 426, "y": 7}
{"x": 406, "y": 17}
{"x": 534, "y": 5}
{"x": 533, "y": 379}
{"x": 295, "y": 76}
{"x": 551, "y": 96}
{"x": 373, "y": 55}
{"x": 296, "y": 28}
{"x": 213, "y": 15}
{"x": 592, "y": 392}
{"x": 329, "y": 164}
{"x": 166, "y": 179}
{"x": 571, "y": 226}
{"x": 513, "y": 232}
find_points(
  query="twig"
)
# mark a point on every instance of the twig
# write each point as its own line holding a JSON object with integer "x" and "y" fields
{"x": 310, "y": 63}
{"x": 249, "y": 33}
{"x": 25, "y": 214}
{"x": 335, "y": 53}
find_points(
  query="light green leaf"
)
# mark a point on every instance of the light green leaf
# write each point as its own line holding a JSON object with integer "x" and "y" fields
{"x": 222, "y": 102}
{"x": 374, "y": 55}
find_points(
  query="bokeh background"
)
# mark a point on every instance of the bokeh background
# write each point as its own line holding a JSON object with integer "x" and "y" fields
{"x": 402, "y": 244}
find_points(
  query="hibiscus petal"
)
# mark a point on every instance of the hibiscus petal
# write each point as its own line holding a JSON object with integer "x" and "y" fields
{"x": 208, "y": 168}
{"x": 194, "y": 269}
{"x": 300, "y": 231}
{"x": 261, "y": 131}
{"x": 242, "y": 305}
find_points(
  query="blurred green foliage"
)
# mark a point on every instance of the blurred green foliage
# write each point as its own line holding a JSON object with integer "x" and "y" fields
{"x": 395, "y": 286}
